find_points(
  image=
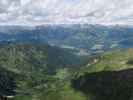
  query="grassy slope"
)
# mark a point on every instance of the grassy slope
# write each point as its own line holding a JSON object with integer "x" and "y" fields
{"x": 110, "y": 61}
{"x": 109, "y": 76}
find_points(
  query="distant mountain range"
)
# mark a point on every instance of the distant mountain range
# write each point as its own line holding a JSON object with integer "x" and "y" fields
{"x": 83, "y": 39}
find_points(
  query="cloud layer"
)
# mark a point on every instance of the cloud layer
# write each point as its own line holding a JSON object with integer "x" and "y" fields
{"x": 66, "y": 11}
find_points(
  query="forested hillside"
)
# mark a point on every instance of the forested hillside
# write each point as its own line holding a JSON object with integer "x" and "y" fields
{"x": 31, "y": 68}
{"x": 42, "y": 72}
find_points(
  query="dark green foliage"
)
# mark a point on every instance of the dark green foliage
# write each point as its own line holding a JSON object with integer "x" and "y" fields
{"x": 108, "y": 77}
{"x": 7, "y": 83}
{"x": 130, "y": 62}
{"x": 32, "y": 65}
{"x": 27, "y": 69}
{"x": 107, "y": 85}
{"x": 60, "y": 58}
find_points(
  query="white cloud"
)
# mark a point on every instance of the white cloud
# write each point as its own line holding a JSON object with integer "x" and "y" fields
{"x": 66, "y": 11}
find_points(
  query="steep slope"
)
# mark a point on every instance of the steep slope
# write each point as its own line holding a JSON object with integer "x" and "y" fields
{"x": 107, "y": 85}
{"x": 34, "y": 68}
{"x": 109, "y": 76}
{"x": 7, "y": 83}
{"x": 106, "y": 76}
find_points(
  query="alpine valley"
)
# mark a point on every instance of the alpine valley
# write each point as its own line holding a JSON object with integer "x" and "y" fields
{"x": 66, "y": 62}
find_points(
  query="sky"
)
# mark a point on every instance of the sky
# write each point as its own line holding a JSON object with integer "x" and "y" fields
{"x": 36, "y": 12}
